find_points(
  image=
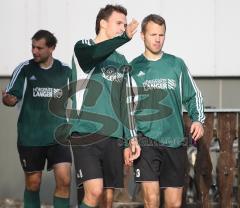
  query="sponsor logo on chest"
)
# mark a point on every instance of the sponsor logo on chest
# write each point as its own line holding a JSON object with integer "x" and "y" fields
{"x": 163, "y": 84}
{"x": 47, "y": 92}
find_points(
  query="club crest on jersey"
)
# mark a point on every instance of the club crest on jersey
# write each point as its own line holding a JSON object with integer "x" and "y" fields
{"x": 47, "y": 92}
{"x": 110, "y": 73}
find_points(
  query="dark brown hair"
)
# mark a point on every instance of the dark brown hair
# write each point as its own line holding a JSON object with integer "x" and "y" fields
{"x": 106, "y": 12}
{"x": 51, "y": 40}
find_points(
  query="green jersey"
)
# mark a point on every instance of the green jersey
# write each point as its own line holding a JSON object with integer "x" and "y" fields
{"x": 103, "y": 107}
{"x": 164, "y": 87}
{"x": 34, "y": 87}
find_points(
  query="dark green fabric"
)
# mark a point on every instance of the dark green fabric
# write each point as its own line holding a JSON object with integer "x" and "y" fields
{"x": 31, "y": 199}
{"x": 164, "y": 87}
{"x": 83, "y": 205}
{"x": 104, "y": 107}
{"x": 38, "y": 120}
{"x": 60, "y": 202}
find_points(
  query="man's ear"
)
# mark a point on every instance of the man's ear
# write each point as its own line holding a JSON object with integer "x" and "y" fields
{"x": 142, "y": 36}
{"x": 52, "y": 49}
{"x": 103, "y": 24}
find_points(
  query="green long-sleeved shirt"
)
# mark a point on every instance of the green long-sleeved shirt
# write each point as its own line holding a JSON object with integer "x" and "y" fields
{"x": 34, "y": 87}
{"x": 164, "y": 86}
{"x": 103, "y": 110}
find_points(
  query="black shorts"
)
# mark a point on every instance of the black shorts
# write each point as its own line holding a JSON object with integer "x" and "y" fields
{"x": 159, "y": 163}
{"x": 33, "y": 158}
{"x": 103, "y": 159}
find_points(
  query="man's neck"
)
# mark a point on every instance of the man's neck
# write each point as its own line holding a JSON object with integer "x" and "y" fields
{"x": 152, "y": 56}
{"x": 47, "y": 64}
{"x": 100, "y": 37}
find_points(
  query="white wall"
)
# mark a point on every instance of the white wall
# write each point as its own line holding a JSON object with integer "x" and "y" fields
{"x": 204, "y": 33}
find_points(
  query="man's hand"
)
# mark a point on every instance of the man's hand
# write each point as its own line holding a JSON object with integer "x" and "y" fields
{"x": 131, "y": 28}
{"x": 196, "y": 130}
{"x": 8, "y": 100}
{"x": 135, "y": 148}
{"x": 132, "y": 152}
{"x": 127, "y": 154}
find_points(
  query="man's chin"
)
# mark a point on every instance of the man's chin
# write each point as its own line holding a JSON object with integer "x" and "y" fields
{"x": 37, "y": 60}
{"x": 156, "y": 52}
{"x": 118, "y": 34}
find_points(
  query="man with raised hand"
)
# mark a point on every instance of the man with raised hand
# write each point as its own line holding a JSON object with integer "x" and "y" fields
{"x": 102, "y": 121}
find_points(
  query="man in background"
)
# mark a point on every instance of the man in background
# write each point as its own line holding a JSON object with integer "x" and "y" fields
{"x": 33, "y": 83}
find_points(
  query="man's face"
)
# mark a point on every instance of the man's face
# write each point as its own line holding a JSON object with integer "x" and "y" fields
{"x": 115, "y": 25}
{"x": 41, "y": 52}
{"x": 154, "y": 37}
